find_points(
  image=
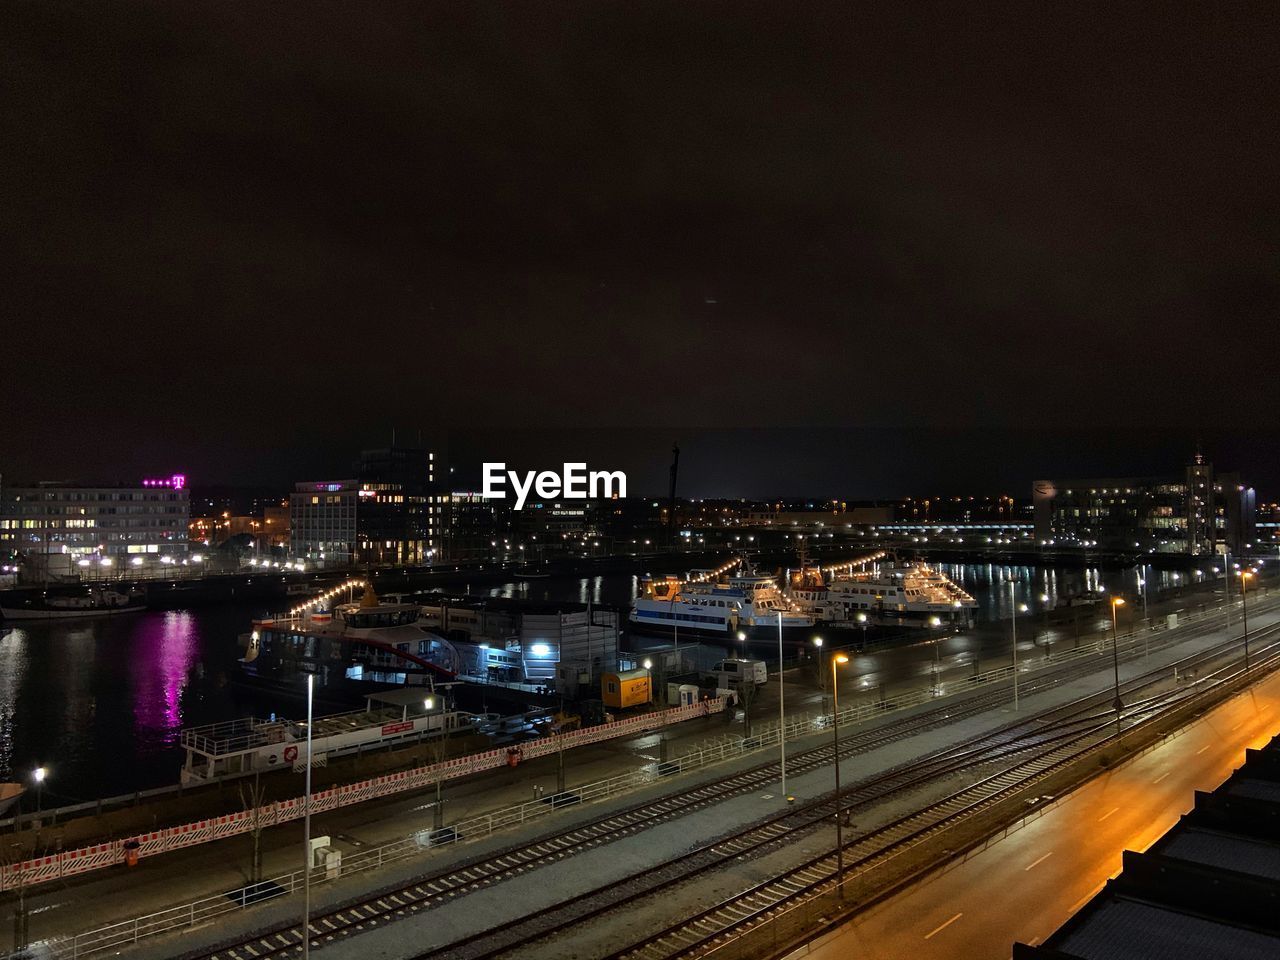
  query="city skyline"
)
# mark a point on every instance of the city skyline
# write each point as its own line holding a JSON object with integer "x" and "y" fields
{"x": 789, "y": 463}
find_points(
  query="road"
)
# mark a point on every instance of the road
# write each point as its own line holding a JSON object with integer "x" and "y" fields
{"x": 1027, "y": 884}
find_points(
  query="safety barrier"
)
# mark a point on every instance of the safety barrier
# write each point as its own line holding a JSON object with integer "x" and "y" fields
{"x": 70, "y": 862}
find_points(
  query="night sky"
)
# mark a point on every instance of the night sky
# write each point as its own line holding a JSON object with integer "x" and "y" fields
{"x": 833, "y": 249}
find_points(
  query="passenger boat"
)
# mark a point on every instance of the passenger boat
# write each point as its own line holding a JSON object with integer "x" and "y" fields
{"x": 346, "y": 646}
{"x": 91, "y": 603}
{"x": 710, "y": 604}
{"x": 902, "y": 593}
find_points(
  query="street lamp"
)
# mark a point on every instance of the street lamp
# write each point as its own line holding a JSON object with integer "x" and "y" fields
{"x": 306, "y": 832}
{"x": 822, "y": 674}
{"x": 1116, "y": 603}
{"x": 836, "y": 660}
{"x": 782, "y": 716}
{"x": 1013, "y": 624}
{"x": 39, "y": 774}
{"x": 862, "y": 622}
{"x": 934, "y": 623}
{"x": 1048, "y": 634}
{"x": 1245, "y": 577}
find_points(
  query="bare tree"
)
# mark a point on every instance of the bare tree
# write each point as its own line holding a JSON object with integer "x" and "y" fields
{"x": 10, "y": 857}
{"x": 439, "y": 753}
{"x": 252, "y": 799}
{"x": 747, "y": 691}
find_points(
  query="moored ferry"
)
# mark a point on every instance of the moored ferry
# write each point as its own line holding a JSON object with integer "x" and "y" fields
{"x": 711, "y": 604}
{"x": 901, "y": 593}
{"x": 347, "y": 646}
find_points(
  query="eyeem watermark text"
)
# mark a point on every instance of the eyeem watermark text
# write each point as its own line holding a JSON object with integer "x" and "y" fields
{"x": 574, "y": 483}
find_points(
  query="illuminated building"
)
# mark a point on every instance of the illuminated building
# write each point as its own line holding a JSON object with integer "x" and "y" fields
{"x": 390, "y": 514}
{"x": 1198, "y": 513}
{"x": 58, "y": 525}
{"x": 476, "y": 525}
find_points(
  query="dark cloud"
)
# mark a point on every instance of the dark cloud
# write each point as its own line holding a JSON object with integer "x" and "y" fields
{"x": 241, "y": 234}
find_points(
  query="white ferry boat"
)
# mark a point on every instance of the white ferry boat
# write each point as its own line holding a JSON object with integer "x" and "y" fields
{"x": 911, "y": 593}
{"x": 706, "y": 605}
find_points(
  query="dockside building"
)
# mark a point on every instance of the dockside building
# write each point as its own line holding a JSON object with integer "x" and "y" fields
{"x": 1196, "y": 513}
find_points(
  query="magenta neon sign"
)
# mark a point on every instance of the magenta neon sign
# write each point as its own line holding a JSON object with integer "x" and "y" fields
{"x": 175, "y": 482}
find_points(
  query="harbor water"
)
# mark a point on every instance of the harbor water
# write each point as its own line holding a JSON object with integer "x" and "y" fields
{"x": 100, "y": 703}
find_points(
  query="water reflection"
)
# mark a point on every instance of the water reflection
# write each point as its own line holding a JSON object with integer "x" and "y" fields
{"x": 163, "y": 655}
{"x": 13, "y": 666}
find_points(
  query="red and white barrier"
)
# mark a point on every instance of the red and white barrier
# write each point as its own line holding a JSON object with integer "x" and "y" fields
{"x": 84, "y": 859}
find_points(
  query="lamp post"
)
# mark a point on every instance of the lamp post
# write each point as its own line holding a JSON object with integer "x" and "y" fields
{"x": 1245, "y": 577}
{"x": 306, "y": 833}
{"x": 1226, "y": 584}
{"x": 862, "y": 622}
{"x": 836, "y": 660}
{"x": 38, "y": 775}
{"x": 675, "y": 627}
{"x": 934, "y": 623}
{"x": 1013, "y": 623}
{"x": 822, "y": 673}
{"x": 1146, "y": 620}
{"x": 1048, "y": 634}
{"x": 782, "y": 717}
{"x": 1116, "y": 603}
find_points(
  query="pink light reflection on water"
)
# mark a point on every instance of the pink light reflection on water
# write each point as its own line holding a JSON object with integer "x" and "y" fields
{"x": 164, "y": 651}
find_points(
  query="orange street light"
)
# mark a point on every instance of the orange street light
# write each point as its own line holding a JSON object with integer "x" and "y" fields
{"x": 1245, "y": 577}
{"x": 1116, "y": 603}
{"x": 837, "y": 660}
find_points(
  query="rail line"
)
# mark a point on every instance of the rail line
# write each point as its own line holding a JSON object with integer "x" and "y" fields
{"x": 703, "y": 932}
{"x": 409, "y": 899}
{"x": 1080, "y": 720}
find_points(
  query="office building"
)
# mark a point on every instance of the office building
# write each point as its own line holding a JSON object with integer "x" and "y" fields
{"x": 53, "y": 527}
{"x": 1197, "y": 513}
{"x": 388, "y": 514}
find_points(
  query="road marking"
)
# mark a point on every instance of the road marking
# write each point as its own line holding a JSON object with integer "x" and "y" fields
{"x": 944, "y": 926}
{"x": 1237, "y": 726}
{"x": 1203, "y": 749}
{"x": 1038, "y": 862}
{"x": 1086, "y": 898}
{"x": 1107, "y": 814}
{"x": 1162, "y": 776}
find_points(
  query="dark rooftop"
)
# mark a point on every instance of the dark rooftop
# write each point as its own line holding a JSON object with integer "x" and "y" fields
{"x": 1207, "y": 889}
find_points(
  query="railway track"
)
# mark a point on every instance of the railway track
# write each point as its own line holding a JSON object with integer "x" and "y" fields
{"x": 409, "y": 899}
{"x": 702, "y": 933}
{"x": 1085, "y": 719}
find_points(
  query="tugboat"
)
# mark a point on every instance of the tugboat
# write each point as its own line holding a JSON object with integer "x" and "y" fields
{"x": 92, "y": 603}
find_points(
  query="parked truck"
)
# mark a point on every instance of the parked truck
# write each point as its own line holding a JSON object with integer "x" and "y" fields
{"x": 731, "y": 674}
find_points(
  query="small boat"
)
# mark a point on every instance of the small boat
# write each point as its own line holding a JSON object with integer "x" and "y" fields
{"x": 528, "y": 573}
{"x": 94, "y": 603}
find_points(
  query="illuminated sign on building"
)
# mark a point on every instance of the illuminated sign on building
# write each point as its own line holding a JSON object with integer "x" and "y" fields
{"x": 175, "y": 482}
